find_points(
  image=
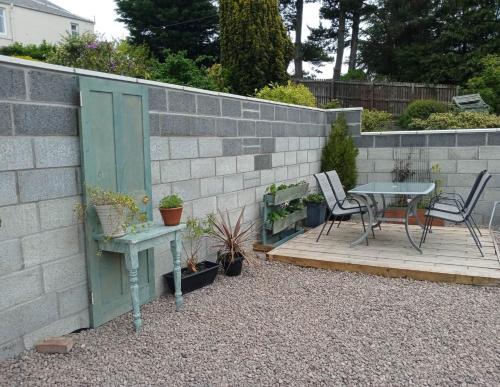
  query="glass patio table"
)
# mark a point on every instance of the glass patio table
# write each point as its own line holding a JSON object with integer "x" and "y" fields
{"x": 414, "y": 191}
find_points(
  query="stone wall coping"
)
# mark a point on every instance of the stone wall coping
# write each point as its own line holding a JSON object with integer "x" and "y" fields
{"x": 71, "y": 70}
{"x": 435, "y": 131}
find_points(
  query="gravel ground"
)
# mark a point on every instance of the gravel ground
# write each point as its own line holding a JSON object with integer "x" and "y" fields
{"x": 281, "y": 324}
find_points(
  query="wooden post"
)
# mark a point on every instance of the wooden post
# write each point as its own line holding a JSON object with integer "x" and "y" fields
{"x": 373, "y": 95}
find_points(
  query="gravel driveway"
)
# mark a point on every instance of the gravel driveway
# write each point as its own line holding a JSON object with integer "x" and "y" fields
{"x": 280, "y": 324}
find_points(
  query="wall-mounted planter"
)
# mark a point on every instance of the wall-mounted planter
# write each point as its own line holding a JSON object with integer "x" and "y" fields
{"x": 282, "y": 224}
{"x": 286, "y": 195}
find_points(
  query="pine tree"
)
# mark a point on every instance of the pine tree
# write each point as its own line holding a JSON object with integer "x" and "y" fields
{"x": 255, "y": 49}
{"x": 340, "y": 154}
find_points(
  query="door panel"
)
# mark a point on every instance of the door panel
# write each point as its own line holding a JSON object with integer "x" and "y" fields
{"x": 115, "y": 156}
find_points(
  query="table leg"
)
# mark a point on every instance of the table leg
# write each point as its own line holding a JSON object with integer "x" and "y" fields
{"x": 364, "y": 201}
{"x": 409, "y": 210}
{"x": 132, "y": 264}
{"x": 175, "y": 248}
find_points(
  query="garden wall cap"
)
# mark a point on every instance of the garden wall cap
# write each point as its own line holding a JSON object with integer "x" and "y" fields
{"x": 432, "y": 131}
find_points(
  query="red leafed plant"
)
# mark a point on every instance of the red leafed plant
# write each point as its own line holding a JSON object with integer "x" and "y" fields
{"x": 230, "y": 241}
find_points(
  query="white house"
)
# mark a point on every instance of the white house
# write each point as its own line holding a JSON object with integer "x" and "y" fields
{"x": 33, "y": 21}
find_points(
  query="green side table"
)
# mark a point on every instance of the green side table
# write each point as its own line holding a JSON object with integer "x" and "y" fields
{"x": 131, "y": 244}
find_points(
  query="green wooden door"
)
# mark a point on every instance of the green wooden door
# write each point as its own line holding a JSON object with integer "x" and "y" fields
{"x": 114, "y": 135}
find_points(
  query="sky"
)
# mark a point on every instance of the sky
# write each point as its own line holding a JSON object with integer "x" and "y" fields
{"x": 103, "y": 12}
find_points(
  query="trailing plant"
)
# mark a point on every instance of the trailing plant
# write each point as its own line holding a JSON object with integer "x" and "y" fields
{"x": 171, "y": 201}
{"x": 422, "y": 109}
{"x": 285, "y": 209}
{"x": 230, "y": 241}
{"x": 340, "y": 154}
{"x": 296, "y": 94}
{"x": 314, "y": 198}
{"x": 333, "y": 104}
{"x": 457, "y": 120}
{"x": 193, "y": 235}
{"x": 273, "y": 188}
{"x": 373, "y": 120}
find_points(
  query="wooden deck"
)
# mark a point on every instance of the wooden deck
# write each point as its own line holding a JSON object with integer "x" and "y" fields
{"x": 449, "y": 255}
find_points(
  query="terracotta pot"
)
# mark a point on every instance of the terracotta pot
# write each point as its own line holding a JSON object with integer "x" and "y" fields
{"x": 112, "y": 220}
{"x": 171, "y": 216}
{"x": 401, "y": 213}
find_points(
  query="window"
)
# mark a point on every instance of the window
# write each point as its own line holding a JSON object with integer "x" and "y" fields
{"x": 75, "y": 31}
{"x": 3, "y": 24}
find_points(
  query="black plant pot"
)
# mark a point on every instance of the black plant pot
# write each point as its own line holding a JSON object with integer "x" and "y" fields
{"x": 207, "y": 271}
{"x": 315, "y": 214}
{"x": 232, "y": 269}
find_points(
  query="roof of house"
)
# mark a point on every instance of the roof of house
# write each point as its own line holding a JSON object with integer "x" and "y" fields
{"x": 45, "y": 6}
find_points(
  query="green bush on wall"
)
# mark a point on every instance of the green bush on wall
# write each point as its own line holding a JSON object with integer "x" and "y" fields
{"x": 290, "y": 93}
{"x": 373, "y": 120}
{"x": 460, "y": 120}
{"x": 340, "y": 154}
{"x": 422, "y": 109}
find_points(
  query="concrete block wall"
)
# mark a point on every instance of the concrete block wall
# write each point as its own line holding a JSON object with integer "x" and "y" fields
{"x": 460, "y": 156}
{"x": 217, "y": 151}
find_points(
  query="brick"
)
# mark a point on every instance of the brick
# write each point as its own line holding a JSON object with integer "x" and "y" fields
{"x": 45, "y": 184}
{"x": 183, "y": 148}
{"x": 12, "y": 83}
{"x": 385, "y": 141}
{"x": 159, "y": 148}
{"x": 57, "y": 152}
{"x": 246, "y": 128}
{"x": 175, "y": 170}
{"x": 293, "y": 115}
{"x": 11, "y": 349}
{"x": 157, "y": 99}
{"x": 203, "y": 126}
{"x": 19, "y": 287}
{"x": 15, "y": 153}
{"x": 438, "y": 153}
{"x": 176, "y": 124}
{"x": 364, "y": 141}
{"x": 267, "y": 176}
{"x": 463, "y": 153}
{"x": 352, "y": 116}
{"x": 53, "y": 87}
{"x": 461, "y": 180}
{"x": 280, "y": 113}
{"x": 251, "y": 150}
{"x": 494, "y": 138}
{"x": 154, "y": 124}
{"x": 278, "y": 159}
{"x": 55, "y": 345}
{"x": 366, "y": 165}
{"x": 489, "y": 152}
{"x": 281, "y": 144}
{"x": 181, "y": 102}
{"x": 290, "y": 158}
{"x": 246, "y": 197}
{"x": 5, "y": 120}
{"x": 188, "y": 190}
{"x": 155, "y": 172}
{"x": 39, "y": 120}
{"x": 63, "y": 273}
{"x": 304, "y": 143}
{"x": 210, "y": 147}
{"x": 233, "y": 183}
{"x": 231, "y": 107}
{"x": 50, "y": 245}
{"x": 58, "y": 213}
{"x": 208, "y": 106}
{"x": 301, "y": 156}
{"x": 18, "y": 220}
{"x": 280, "y": 173}
{"x": 362, "y": 154}
{"x": 232, "y": 146}
{"x": 245, "y": 163}
{"x": 251, "y": 179}
{"x": 159, "y": 191}
{"x": 263, "y": 162}
{"x": 446, "y": 166}
{"x": 28, "y": 317}
{"x": 380, "y": 153}
{"x": 225, "y": 165}
{"x": 205, "y": 206}
{"x": 251, "y": 114}
{"x": 211, "y": 186}
{"x": 227, "y": 202}
{"x": 293, "y": 171}
{"x": 314, "y": 167}
{"x": 267, "y": 145}
{"x": 471, "y": 166}
{"x": 494, "y": 166}
{"x": 8, "y": 190}
{"x": 305, "y": 116}
{"x": 251, "y": 141}
{"x": 202, "y": 168}
{"x": 313, "y": 155}
{"x": 303, "y": 169}
{"x": 413, "y": 140}
{"x": 384, "y": 165}
{"x": 278, "y": 129}
{"x": 10, "y": 256}
{"x": 227, "y": 127}
{"x": 263, "y": 129}
{"x": 266, "y": 112}
{"x": 293, "y": 143}
{"x": 314, "y": 142}
{"x": 471, "y": 139}
{"x": 441, "y": 139}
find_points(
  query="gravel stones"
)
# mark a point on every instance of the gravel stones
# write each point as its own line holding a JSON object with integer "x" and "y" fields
{"x": 281, "y": 324}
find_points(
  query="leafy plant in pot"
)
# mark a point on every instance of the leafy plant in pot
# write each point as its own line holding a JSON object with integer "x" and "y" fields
{"x": 118, "y": 213}
{"x": 316, "y": 209}
{"x": 171, "y": 210}
{"x": 196, "y": 274}
{"x": 230, "y": 241}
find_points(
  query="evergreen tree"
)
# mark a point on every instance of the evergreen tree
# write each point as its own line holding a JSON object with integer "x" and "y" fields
{"x": 255, "y": 49}
{"x": 340, "y": 154}
{"x": 175, "y": 25}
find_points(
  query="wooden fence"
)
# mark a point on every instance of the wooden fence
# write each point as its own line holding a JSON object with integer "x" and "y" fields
{"x": 389, "y": 96}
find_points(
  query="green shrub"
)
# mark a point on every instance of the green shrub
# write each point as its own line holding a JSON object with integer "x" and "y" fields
{"x": 373, "y": 120}
{"x": 314, "y": 198}
{"x": 422, "y": 109}
{"x": 171, "y": 201}
{"x": 333, "y": 104}
{"x": 29, "y": 51}
{"x": 460, "y": 120}
{"x": 340, "y": 153}
{"x": 487, "y": 83}
{"x": 291, "y": 93}
{"x": 354, "y": 75}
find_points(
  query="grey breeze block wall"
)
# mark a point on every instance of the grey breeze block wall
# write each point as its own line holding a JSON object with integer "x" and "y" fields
{"x": 216, "y": 150}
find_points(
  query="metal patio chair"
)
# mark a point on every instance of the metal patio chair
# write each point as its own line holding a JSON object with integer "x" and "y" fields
{"x": 458, "y": 214}
{"x": 338, "y": 203}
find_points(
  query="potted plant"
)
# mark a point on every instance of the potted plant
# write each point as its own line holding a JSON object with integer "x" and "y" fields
{"x": 196, "y": 274}
{"x": 316, "y": 209}
{"x": 117, "y": 212}
{"x": 171, "y": 210}
{"x": 230, "y": 241}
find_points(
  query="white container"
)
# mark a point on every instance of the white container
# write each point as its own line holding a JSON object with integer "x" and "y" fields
{"x": 112, "y": 220}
